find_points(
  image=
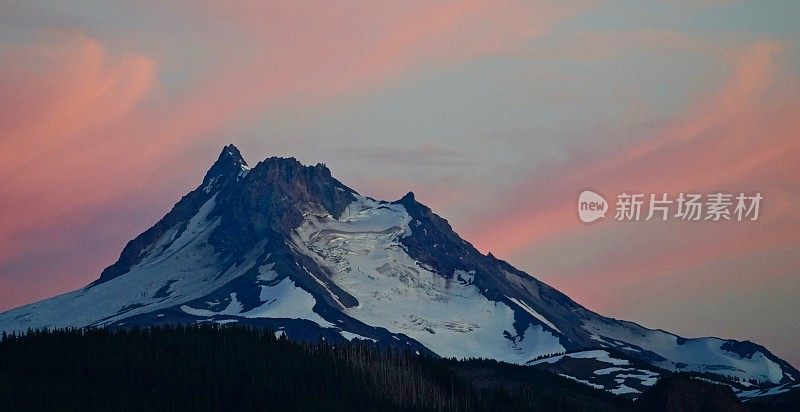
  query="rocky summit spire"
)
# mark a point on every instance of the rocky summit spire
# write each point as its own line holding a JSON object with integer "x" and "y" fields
{"x": 230, "y": 161}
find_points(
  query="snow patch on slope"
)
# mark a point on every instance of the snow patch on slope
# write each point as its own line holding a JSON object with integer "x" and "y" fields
{"x": 598, "y": 355}
{"x": 282, "y": 300}
{"x": 533, "y": 313}
{"x": 699, "y": 354}
{"x": 363, "y": 253}
{"x": 350, "y": 336}
{"x": 177, "y": 271}
{"x": 287, "y": 300}
{"x": 600, "y": 369}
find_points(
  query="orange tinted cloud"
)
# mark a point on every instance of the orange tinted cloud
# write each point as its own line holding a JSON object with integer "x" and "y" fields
{"x": 725, "y": 279}
{"x": 744, "y": 137}
{"x": 58, "y": 103}
{"x": 84, "y": 129}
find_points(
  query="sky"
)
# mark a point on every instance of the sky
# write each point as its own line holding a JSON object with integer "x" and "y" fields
{"x": 496, "y": 114}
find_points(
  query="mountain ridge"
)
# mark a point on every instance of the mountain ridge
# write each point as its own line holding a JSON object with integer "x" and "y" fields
{"x": 288, "y": 246}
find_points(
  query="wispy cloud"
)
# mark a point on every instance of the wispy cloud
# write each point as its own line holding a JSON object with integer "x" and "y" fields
{"x": 86, "y": 126}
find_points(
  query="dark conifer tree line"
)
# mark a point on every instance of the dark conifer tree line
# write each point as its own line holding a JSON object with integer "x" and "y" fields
{"x": 212, "y": 367}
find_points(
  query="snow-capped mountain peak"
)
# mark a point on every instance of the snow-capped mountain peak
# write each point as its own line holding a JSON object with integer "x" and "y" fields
{"x": 288, "y": 246}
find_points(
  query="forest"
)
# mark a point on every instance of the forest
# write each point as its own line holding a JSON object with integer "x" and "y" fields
{"x": 214, "y": 367}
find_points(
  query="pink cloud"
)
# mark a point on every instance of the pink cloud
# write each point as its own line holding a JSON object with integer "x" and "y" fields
{"x": 741, "y": 138}
{"x": 726, "y": 137}
{"x": 84, "y": 129}
{"x": 59, "y": 102}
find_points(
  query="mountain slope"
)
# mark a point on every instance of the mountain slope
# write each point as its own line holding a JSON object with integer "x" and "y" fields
{"x": 287, "y": 246}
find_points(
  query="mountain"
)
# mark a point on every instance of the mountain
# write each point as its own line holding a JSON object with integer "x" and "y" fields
{"x": 289, "y": 247}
